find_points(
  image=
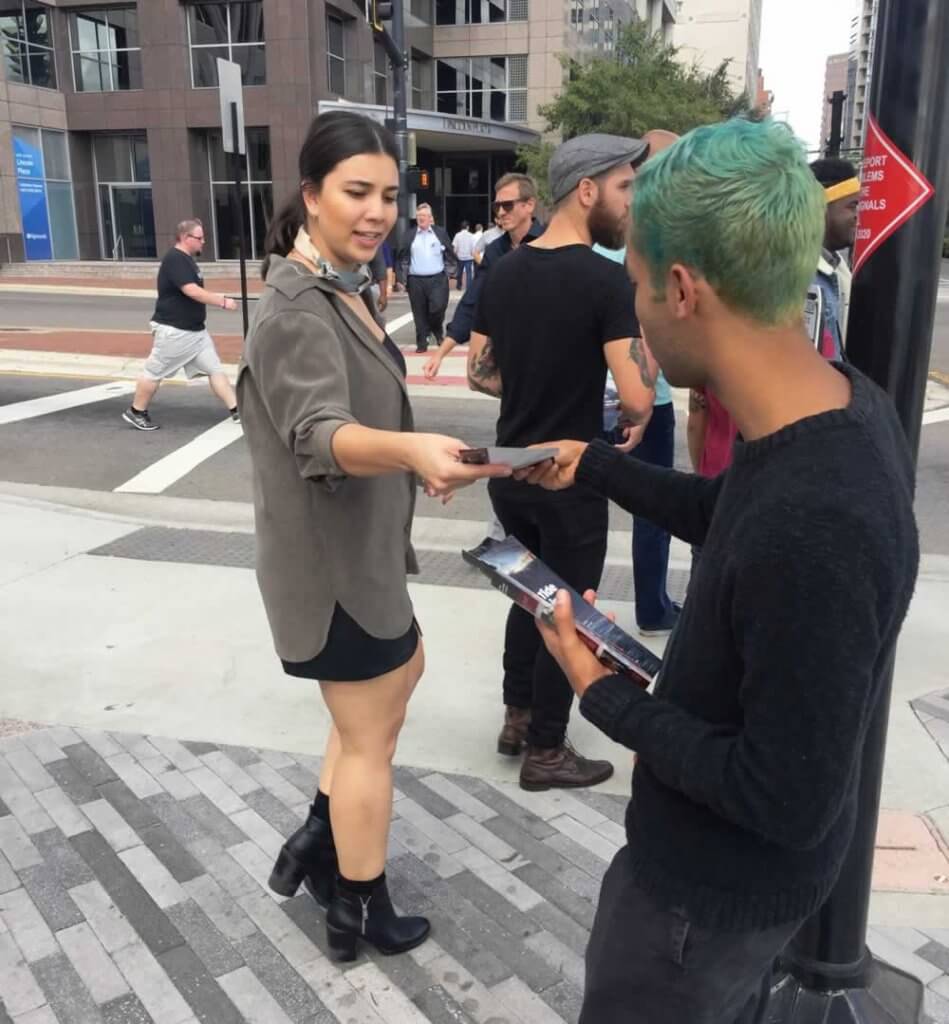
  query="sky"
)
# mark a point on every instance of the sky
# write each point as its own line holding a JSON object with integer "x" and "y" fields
{"x": 797, "y": 37}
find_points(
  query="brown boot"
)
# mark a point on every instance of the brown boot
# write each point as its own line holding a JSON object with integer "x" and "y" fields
{"x": 513, "y": 737}
{"x": 561, "y": 768}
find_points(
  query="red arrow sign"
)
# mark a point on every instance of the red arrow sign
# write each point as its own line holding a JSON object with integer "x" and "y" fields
{"x": 893, "y": 190}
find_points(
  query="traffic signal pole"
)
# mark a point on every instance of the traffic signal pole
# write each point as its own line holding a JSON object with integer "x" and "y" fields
{"x": 829, "y": 975}
{"x": 394, "y": 43}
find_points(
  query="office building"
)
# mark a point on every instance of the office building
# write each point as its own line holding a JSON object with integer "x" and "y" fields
{"x": 862, "y": 42}
{"x": 110, "y": 120}
{"x": 711, "y": 31}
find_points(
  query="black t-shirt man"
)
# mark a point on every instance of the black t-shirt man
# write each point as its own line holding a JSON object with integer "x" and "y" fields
{"x": 173, "y": 307}
{"x": 548, "y": 313}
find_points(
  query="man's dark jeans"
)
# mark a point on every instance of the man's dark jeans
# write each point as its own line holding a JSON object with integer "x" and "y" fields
{"x": 650, "y": 542}
{"x": 650, "y": 965}
{"x": 567, "y": 530}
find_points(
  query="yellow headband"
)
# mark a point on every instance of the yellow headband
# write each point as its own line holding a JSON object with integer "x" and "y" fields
{"x": 842, "y": 189}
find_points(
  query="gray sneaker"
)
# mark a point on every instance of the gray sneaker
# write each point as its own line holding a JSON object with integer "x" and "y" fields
{"x": 139, "y": 420}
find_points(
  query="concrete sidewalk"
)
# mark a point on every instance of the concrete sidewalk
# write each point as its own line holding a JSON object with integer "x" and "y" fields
{"x": 131, "y": 870}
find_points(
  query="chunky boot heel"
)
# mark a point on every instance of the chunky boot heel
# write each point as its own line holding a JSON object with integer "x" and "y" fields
{"x": 287, "y": 875}
{"x": 513, "y": 737}
{"x": 371, "y": 917}
{"x": 342, "y": 944}
{"x": 309, "y": 856}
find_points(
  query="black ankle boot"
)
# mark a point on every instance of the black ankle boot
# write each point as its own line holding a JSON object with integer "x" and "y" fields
{"x": 371, "y": 917}
{"x": 308, "y": 855}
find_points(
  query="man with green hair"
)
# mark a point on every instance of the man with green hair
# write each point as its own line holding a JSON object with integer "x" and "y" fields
{"x": 749, "y": 750}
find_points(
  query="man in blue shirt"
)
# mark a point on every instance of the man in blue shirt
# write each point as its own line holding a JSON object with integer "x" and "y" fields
{"x": 656, "y": 612}
{"x": 515, "y": 198}
{"x": 426, "y": 262}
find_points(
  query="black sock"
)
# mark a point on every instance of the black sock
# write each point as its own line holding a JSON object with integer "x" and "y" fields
{"x": 137, "y": 412}
{"x": 321, "y": 806}
{"x": 362, "y": 888}
{"x": 232, "y": 411}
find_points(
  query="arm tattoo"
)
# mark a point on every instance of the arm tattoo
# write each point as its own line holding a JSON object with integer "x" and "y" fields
{"x": 697, "y": 401}
{"x": 638, "y": 356}
{"x": 483, "y": 372}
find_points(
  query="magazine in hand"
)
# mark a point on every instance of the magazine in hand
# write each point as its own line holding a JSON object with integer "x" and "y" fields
{"x": 529, "y": 583}
{"x": 516, "y": 458}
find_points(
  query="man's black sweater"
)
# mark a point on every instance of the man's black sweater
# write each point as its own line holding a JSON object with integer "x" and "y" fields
{"x": 749, "y": 751}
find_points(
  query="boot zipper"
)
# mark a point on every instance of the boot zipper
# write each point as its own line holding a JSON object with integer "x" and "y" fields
{"x": 364, "y": 903}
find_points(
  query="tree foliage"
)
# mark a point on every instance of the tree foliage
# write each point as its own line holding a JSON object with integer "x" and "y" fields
{"x": 641, "y": 85}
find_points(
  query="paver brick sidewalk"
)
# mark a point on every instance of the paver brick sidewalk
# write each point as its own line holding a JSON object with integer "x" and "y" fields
{"x": 133, "y": 889}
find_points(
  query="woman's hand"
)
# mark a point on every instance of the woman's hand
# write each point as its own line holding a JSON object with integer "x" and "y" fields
{"x": 437, "y": 460}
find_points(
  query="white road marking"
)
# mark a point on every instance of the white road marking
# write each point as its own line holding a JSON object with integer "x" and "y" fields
{"x": 398, "y": 323}
{"x": 936, "y": 416}
{"x": 28, "y": 410}
{"x": 160, "y": 475}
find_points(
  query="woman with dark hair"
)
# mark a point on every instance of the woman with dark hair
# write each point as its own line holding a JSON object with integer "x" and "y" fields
{"x": 325, "y": 410}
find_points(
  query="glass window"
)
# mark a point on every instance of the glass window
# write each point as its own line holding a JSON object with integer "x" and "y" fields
{"x": 470, "y": 12}
{"x": 62, "y": 220}
{"x": 121, "y": 158}
{"x": 336, "y": 54}
{"x": 105, "y": 49}
{"x": 420, "y": 71}
{"x": 26, "y": 35}
{"x": 229, "y": 30}
{"x": 492, "y": 88}
{"x": 257, "y": 194}
{"x": 55, "y": 157}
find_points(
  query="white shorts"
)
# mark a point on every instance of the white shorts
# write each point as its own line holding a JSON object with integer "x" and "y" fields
{"x": 174, "y": 350}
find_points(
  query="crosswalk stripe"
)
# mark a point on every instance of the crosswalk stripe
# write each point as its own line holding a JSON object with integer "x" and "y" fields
{"x": 161, "y": 475}
{"x": 935, "y": 416}
{"x": 34, "y": 407}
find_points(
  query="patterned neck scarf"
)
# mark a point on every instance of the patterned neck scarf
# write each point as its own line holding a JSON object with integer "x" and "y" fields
{"x": 355, "y": 282}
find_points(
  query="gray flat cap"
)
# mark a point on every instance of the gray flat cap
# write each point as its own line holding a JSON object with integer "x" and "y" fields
{"x": 587, "y": 156}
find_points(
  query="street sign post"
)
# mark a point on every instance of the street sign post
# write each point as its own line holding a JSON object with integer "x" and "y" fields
{"x": 830, "y": 976}
{"x": 234, "y": 142}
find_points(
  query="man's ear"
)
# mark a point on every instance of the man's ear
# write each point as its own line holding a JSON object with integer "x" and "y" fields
{"x": 588, "y": 192}
{"x": 681, "y": 291}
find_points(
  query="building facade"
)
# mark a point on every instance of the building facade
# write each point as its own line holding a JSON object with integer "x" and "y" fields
{"x": 711, "y": 31}
{"x": 862, "y": 43}
{"x": 110, "y": 120}
{"x": 836, "y": 78}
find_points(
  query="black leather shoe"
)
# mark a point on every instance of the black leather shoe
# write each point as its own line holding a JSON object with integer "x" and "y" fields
{"x": 308, "y": 855}
{"x": 371, "y": 918}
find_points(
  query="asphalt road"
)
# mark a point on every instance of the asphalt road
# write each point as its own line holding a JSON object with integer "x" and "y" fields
{"x": 90, "y": 447}
{"x": 132, "y": 314}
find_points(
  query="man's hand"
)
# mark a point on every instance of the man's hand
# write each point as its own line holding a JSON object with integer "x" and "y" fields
{"x": 633, "y": 435}
{"x": 559, "y": 473}
{"x": 433, "y": 365}
{"x": 578, "y": 663}
{"x": 383, "y": 299}
{"x": 228, "y": 304}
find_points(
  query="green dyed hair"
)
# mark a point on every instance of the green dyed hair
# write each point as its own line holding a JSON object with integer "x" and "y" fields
{"x": 737, "y": 204}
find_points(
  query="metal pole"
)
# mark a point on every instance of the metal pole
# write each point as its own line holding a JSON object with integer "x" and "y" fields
{"x": 239, "y": 204}
{"x": 830, "y": 975}
{"x": 400, "y": 64}
{"x": 836, "y": 122}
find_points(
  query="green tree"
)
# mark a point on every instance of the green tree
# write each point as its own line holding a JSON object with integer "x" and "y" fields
{"x": 641, "y": 85}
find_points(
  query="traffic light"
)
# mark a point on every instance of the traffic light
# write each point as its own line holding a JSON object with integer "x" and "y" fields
{"x": 381, "y": 11}
{"x": 417, "y": 180}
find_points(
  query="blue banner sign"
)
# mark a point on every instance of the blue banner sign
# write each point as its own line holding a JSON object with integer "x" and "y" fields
{"x": 34, "y": 209}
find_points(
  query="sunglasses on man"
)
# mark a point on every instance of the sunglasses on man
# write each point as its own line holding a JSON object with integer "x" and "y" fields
{"x": 507, "y": 205}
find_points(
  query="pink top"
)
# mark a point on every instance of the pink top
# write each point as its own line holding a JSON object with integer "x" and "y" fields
{"x": 720, "y": 437}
